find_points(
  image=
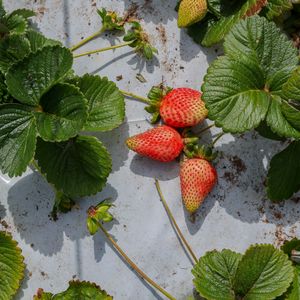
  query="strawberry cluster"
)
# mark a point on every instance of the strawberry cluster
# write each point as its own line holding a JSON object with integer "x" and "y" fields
{"x": 179, "y": 109}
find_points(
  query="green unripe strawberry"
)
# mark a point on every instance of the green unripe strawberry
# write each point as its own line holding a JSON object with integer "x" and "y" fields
{"x": 191, "y": 12}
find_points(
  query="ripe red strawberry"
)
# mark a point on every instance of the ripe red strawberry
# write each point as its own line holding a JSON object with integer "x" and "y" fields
{"x": 181, "y": 107}
{"x": 197, "y": 179}
{"x": 162, "y": 143}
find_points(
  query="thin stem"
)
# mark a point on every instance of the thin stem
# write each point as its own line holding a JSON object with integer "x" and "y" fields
{"x": 217, "y": 138}
{"x": 86, "y": 40}
{"x": 134, "y": 266}
{"x": 102, "y": 49}
{"x": 174, "y": 221}
{"x": 131, "y": 95}
{"x": 205, "y": 129}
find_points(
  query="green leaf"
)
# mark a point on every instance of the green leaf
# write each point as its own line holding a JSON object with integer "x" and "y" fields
{"x": 38, "y": 41}
{"x": 12, "y": 266}
{"x": 262, "y": 41}
{"x": 5, "y": 97}
{"x": 15, "y": 24}
{"x": 63, "y": 113}
{"x": 32, "y": 77}
{"x": 79, "y": 167}
{"x": 25, "y": 13}
{"x": 264, "y": 273}
{"x": 284, "y": 173}
{"x": 291, "y": 245}
{"x": 233, "y": 93}
{"x": 13, "y": 48}
{"x": 280, "y": 118}
{"x": 246, "y": 86}
{"x": 214, "y": 274}
{"x": 17, "y": 138}
{"x": 79, "y": 290}
{"x": 265, "y": 131}
{"x": 294, "y": 291}
{"x": 291, "y": 89}
{"x": 106, "y": 106}
{"x": 214, "y": 29}
{"x": 275, "y": 8}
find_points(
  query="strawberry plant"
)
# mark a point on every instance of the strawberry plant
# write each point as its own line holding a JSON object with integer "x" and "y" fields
{"x": 223, "y": 15}
{"x": 255, "y": 85}
{"x": 76, "y": 290}
{"x": 45, "y": 107}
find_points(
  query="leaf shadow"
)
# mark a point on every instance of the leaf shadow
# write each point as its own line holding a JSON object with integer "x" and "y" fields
{"x": 2, "y": 211}
{"x": 30, "y": 202}
{"x": 116, "y": 137}
{"x": 24, "y": 286}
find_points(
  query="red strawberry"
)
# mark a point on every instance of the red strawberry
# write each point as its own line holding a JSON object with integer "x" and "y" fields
{"x": 181, "y": 107}
{"x": 162, "y": 143}
{"x": 197, "y": 179}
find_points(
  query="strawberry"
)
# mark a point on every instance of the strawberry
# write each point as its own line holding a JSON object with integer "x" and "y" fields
{"x": 191, "y": 12}
{"x": 181, "y": 107}
{"x": 162, "y": 143}
{"x": 197, "y": 179}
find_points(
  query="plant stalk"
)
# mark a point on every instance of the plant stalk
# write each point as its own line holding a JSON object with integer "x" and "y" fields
{"x": 217, "y": 138}
{"x": 134, "y": 266}
{"x": 184, "y": 241}
{"x": 205, "y": 129}
{"x": 102, "y": 50}
{"x": 88, "y": 39}
{"x": 140, "y": 98}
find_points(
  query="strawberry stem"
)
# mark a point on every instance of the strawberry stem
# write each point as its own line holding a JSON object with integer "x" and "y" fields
{"x": 86, "y": 40}
{"x": 101, "y": 50}
{"x": 140, "y": 98}
{"x": 217, "y": 138}
{"x": 133, "y": 265}
{"x": 170, "y": 215}
{"x": 205, "y": 129}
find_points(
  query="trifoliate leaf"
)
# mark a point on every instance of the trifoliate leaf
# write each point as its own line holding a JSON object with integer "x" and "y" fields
{"x": 25, "y": 13}
{"x": 32, "y": 77}
{"x": 106, "y": 106}
{"x": 17, "y": 138}
{"x": 78, "y": 167}
{"x": 284, "y": 173}
{"x": 12, "y": 266}
{"x": 275, "y": 8}
{"x": 213, "y": 29}
{"x": 12, "y": 49}
{"x": 233, "y": 92}
{"x": 264, "y": 273}
{"x": 38, "y": 41}
{"x": 62, "y": 114}
{"x": 214, "y": 274}
{"x": 294, "y": 291}
{"x": 245, "y": 86}
{"x": 79, "y": 290}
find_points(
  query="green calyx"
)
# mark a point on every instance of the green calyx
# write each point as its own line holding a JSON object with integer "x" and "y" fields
{"x": 139, "y": 40}
{"x": 97, "y": 214}
{"x": 155, "y": 95}
{"x": 194, "y": 150}
{"x": 110, "y": 20}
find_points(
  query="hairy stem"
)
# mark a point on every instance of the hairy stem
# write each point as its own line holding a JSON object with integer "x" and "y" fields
{"x": 217, "y": 138}
{"x": 134, "y": 266}
{"x": 184, "y": 241}
{"x": 131, "y": 95}
{"x": 102, "y": 50}
{"x": 88, "y": 39}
